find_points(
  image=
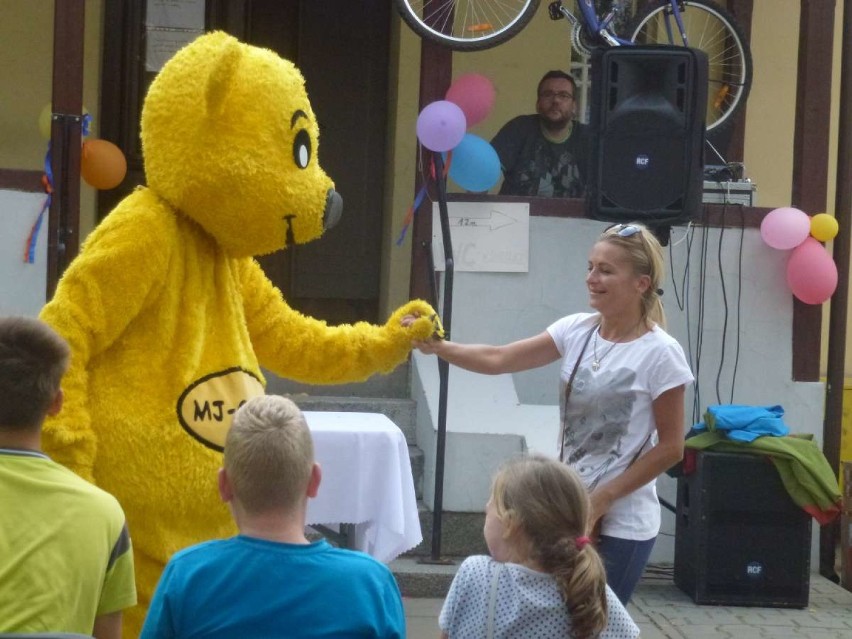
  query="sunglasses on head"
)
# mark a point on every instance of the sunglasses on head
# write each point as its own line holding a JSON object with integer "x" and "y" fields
{"x": 623, "y": 230}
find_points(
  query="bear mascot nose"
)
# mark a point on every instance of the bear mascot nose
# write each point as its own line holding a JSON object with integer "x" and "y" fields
{"x": 333, "y": 209}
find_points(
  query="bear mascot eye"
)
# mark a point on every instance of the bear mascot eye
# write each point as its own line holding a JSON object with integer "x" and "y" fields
{"x": 302, "y": 149}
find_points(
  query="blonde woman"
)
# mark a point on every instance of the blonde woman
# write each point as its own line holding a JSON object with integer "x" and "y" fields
{"x": 622, "y": 386}
{"x": 544, "y": 578}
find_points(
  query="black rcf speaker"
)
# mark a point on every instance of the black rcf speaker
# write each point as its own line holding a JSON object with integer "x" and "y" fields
{"x": 647, "y": 120}
{"x": 740, "y": 540}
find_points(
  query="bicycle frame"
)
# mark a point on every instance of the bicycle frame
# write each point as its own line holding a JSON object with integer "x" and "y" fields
{"x": 600, "y": 26}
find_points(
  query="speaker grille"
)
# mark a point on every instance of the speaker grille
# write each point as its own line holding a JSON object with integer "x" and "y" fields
{"x": 648, "y": 107}
{"x": 739, "y": 538}
{"x": 645, "y": 168}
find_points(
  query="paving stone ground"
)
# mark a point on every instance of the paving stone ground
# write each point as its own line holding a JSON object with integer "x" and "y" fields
{"x": 662, "y": 610}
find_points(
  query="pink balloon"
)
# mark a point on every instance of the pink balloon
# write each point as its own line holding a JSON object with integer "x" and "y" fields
{"x": 475, "y": 94}
{"x": 785, "y": 227}
{"x": 811, "y": 272}
{"x": 441, "y": 126}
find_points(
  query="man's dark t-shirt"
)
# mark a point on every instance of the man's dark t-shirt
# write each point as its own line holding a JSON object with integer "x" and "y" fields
{"x": 533, "y": 165}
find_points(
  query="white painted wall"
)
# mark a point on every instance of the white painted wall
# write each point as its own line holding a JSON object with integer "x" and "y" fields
{"x": 500, "y": 307}
{"x": 22, "y": 285}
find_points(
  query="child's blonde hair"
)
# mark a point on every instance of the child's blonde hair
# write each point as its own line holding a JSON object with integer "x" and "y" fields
{"x": 269, "y": 454}
{"x": 646, "y": 257}
{"x": 546, "y": 501}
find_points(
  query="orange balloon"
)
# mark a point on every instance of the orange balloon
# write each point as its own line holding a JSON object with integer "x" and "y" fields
{"x": 102, "y": 164}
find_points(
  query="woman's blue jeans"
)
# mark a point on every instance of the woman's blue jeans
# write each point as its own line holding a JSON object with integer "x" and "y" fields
{"x": 624, "y": 561}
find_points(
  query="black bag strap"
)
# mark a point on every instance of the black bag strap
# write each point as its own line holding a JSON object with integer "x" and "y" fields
{"x": 568, "y": 388}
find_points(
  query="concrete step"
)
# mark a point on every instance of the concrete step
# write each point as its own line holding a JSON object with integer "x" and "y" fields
{"x": 397, "y": 384}
{"x": 418, "y": 579}
{"x": 461, "y": 534}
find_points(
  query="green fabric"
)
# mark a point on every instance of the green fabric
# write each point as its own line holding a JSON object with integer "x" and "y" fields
{"x": 804, "y": 470}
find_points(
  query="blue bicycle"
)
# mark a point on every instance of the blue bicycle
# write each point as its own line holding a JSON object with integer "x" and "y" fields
{"x": 473, "y": 25}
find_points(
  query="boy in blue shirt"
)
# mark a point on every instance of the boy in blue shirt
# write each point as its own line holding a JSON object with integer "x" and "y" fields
{"x": 270, "y": 581}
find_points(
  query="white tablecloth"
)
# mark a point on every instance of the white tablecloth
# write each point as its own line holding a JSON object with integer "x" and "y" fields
{"x": 366, "y": 481}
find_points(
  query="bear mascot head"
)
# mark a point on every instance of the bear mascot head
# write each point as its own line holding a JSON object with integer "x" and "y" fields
{"x": 226, "y": 126}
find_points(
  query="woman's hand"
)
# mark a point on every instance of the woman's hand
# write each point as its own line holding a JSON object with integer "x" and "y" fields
{"x": 428, "y": 347}
{"x": 601, "y": 501}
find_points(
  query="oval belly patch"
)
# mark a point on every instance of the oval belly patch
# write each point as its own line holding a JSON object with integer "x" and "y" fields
{"x": 206, "y": 408}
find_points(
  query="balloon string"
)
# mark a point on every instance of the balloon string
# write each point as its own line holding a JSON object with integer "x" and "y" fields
{"x": 47, "y": 181}
{"x": 409, "y": 216}
{"x": 447, "y": 161}
{"x": 418, "y": 199}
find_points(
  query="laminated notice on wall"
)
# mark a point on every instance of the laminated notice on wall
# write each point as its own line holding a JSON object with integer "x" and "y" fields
{"x": 175, "y": 14}
{"x": 169, "y": 26}
{"x": 486, "y": 236}
{"x": 161, "y": 45}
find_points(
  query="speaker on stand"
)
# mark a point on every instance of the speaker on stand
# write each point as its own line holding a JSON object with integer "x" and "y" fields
{"x": 647, "y": 122}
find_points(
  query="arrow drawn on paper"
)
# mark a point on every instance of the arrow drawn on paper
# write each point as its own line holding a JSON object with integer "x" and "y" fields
{"x": 491, "y": 221}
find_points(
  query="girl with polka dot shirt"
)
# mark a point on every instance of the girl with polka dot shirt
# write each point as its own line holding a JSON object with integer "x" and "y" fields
{"x": 543, "y": 579}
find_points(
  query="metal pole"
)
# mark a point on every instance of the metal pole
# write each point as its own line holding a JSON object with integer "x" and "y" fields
{"x": 443, "y": 367}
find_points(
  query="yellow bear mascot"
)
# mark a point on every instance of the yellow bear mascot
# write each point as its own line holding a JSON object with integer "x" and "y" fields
{"x": 170, "y": 318}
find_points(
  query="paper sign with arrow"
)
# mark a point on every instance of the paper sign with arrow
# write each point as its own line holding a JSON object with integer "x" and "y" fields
{"x": 487, "y": 236}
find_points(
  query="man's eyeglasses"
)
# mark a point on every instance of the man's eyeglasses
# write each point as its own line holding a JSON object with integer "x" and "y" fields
{"x": 623, "y": 230}
{"x": 549, "y": 95}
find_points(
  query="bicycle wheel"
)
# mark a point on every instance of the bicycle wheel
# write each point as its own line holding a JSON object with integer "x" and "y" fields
{"x": 712, "y": 30}
{"x": 467, "y": 25}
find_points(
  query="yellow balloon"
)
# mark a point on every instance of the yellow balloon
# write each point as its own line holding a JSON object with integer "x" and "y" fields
{"x": 45, "y": 119}
{"x": 823, "y": 227}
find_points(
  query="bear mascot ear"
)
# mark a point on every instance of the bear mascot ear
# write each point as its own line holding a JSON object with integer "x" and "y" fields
{"x": 221, "y": 75}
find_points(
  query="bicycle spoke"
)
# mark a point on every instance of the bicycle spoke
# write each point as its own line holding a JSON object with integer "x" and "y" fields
{"x": 460, "y": 21}
{"x": 440, "y": 14}
{"x": 707, "y": 28}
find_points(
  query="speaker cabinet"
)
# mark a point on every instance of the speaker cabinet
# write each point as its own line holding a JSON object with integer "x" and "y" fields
{"x": 647, "y": 120}
{"x": 846, "y": 527}
{"x": 740, "y": 540}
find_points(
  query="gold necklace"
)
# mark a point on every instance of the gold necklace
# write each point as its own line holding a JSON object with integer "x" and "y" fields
{"x": 596, "y": 362}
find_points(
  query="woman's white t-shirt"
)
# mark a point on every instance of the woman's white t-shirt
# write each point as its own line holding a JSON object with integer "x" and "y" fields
{"x": 609, "y": 419}
{"x": 529, "y": 605}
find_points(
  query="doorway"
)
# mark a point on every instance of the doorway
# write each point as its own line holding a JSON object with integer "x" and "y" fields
{"x": 343, "y": 50}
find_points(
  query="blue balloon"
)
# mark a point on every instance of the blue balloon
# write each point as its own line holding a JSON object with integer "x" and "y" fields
{"x": 475, "y": 165}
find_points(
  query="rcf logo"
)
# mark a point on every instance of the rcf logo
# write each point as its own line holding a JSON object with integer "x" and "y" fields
{"x": 642, "y": 161}
{"x": 754, "y": 569}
